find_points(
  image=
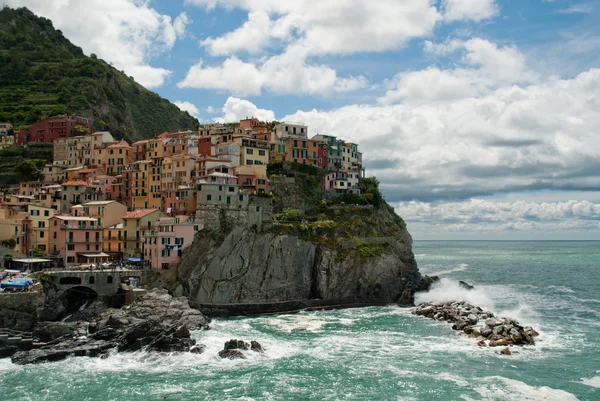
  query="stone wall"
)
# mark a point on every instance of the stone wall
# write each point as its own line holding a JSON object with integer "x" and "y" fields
{"x": 19, "y": 311}
{"x": 258, "y": 212}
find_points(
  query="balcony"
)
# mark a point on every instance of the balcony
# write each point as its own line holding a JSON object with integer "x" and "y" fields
{"x": 73, "y": 227}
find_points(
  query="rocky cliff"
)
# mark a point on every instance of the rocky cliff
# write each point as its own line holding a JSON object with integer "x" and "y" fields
{"x": 342, "y": 254}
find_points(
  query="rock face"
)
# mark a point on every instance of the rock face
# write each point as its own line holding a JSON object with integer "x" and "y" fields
{"x": 244, "y": 265}
{"x": 156, "y": 321}
{"x": 488, "y": 329}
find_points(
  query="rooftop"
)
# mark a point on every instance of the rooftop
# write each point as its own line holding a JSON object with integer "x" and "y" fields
{"x": 75, "y": 183}
{"x": 98, "y": 203}
{"x": 74, "y": 218}
{"x": 139, "y": 213}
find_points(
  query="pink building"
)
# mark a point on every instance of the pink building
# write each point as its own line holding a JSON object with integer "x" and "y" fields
{"x": 76, "y": 239}
{"x": 165, "y": 241}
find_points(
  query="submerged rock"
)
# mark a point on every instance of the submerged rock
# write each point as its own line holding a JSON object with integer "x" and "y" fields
{"x": 477, "y": 323}
{"x": 156, "y": 322}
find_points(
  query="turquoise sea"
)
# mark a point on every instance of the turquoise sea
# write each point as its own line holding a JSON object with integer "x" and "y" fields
{"x": 377, "y": 353}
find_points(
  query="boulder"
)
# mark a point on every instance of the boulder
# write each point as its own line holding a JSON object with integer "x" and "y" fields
{"x": 505, "y": 351}
{"x": 256, "y": 347}
{"x": 198, "y": 349}
{"x": 236, "y": 344}
{"x": 465, "y": 286}
{"x": 232, "y": 354}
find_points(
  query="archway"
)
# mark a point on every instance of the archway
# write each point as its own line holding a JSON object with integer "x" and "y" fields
{"x": 78, "y": 298}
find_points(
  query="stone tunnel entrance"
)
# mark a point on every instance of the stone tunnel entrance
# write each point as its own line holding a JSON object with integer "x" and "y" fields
{"x": 78, "y": 298}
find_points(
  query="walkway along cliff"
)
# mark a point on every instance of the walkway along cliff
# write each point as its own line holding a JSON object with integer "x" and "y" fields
{"x": 343, "y": 251}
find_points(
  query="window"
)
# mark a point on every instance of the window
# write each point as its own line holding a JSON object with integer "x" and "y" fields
{"x": 109, "y": 280}
{"x": 54, "y": 235}
{"x": 249, "y": 151}
{"x": 231, "y": 189}
{"x": 91, "y": 280}
{"x": 261, "y": 152}
{"x": 208, "y": 197}
{"x": 70, "y": 247}
{"x": 249, "y": 162}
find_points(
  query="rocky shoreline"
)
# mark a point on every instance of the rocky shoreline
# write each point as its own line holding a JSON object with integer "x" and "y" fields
{"x": 156, "y": 321}
{"x": 484, "y": 326}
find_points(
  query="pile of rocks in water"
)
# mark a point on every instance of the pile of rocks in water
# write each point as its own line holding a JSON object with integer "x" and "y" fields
{"x": 154, "y": 322}
{"x": 233, "y": 349}
{"x": 489, "y": 329}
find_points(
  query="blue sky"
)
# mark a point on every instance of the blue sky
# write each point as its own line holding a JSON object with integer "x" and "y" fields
{"x": 479, "y": 117}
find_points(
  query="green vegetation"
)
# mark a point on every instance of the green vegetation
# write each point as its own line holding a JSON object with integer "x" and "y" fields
{"x": 42, "y": 277}
{"x": 23, "y": 164}
{"x": 370, "y": 251}
{"x": 43, "y": 74}
{"x": 9, "y": 243}
{"x": 289, "y": 215}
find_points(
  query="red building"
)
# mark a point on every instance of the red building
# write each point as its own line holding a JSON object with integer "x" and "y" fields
{"x": 46, "y": 131}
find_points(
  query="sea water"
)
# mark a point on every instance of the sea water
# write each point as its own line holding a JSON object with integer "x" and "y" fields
{"x": 377, "y": 353}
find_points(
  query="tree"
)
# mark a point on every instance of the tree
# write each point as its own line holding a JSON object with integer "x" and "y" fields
{"x": 37, "y": 253}
{"x": 9, "y": 243}
{"x": 27, "y": 167}
{"x": 81, "y": 130}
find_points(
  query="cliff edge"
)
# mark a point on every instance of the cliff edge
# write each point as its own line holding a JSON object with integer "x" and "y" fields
{"x": 323, "y": 253}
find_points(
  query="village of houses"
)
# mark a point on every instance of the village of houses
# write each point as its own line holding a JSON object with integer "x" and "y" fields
{"x": 104, "y": 200}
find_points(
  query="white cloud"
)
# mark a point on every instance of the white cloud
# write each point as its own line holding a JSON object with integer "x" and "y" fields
{"x": 126, "y": 33}
{"x": 479, "y": 215}
{"x": 486, "y": 67}
{"x": 476, "y": 10}
{"x": 234, "y": 75}
{"x": 577, "y": 9}
{"x": 531, "y": 137}
{"x": 236, "y": 109}
{"x": 250, "y": 37}
{"x": 327, "y": 26}
{"x": 189, "y": 107}
{"x": 285, "y": 73}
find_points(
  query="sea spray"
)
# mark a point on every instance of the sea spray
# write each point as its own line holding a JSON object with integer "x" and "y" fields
{"x": 447, "y": 290}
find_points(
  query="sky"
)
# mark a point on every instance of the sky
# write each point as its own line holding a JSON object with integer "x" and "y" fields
{"x": 480, "y": 118}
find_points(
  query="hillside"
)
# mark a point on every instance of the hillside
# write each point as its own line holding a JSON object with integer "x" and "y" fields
{"x": 43, "y": 74}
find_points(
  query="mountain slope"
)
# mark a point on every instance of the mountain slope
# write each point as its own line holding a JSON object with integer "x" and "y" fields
{"x": 43, "y": 74}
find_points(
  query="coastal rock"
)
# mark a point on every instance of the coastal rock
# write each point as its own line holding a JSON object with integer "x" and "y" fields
{"x": 232, "y": 349}
{"x": 156, "y": 321}
{"x": 232, "y": 354}
{"x": 245, "y": 270}
{"x": 198, "y": 349}
{"x": 256, "y": 347}
{"x": 505, "y": 351}
{"x": 464, "y": 285}
{"x": 477, "y": 323}
{"x": 236, "y": 344}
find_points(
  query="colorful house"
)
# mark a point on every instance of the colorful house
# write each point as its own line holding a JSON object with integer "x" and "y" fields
{"x": 168, "y": 237}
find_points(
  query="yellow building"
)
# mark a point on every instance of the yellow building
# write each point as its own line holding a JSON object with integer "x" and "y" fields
{"x": 139, "y": 181}
{"x": 40, "y": 217}
{"x": 253, "y": 151}
{"x": 113, "y": 241}
{"x": 134, "y": 224}
{"x": 119, "y": 155}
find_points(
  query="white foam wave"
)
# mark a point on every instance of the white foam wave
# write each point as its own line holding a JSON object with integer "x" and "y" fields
{"x": 592, "y": 382}
{"x": 447, "y": 290}
{"x": 460, "y": 268}
{"x": 561, "y": 288}
{"x": 502, "y": 388}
